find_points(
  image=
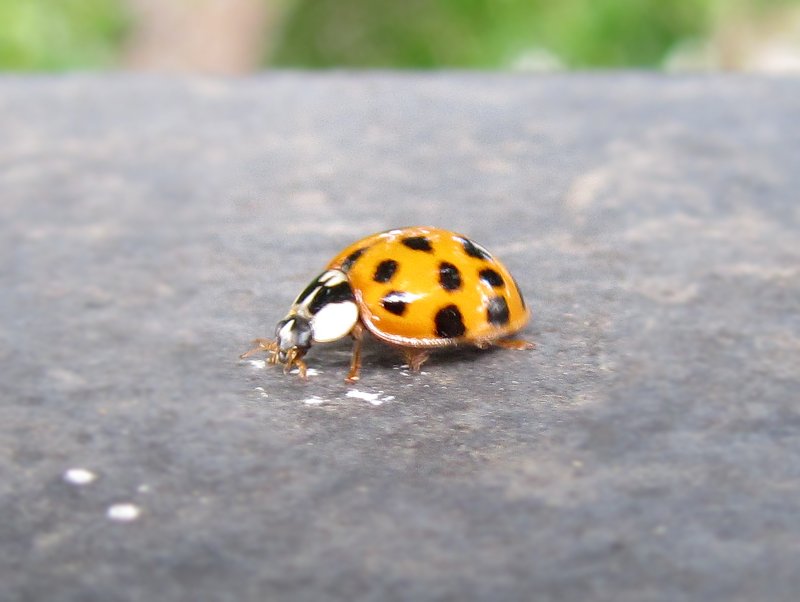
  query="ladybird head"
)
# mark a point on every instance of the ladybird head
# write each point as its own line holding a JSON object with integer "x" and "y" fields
{"x": 293, "y": 339}
{"x": 325, "y": 311}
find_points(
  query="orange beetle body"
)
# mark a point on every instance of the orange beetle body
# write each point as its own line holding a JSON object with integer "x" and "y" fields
{"x": 413, "y": 288}
{"x": 427, "y": 287}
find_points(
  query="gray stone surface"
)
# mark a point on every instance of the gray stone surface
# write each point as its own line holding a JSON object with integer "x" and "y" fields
{"x": 648, "y": 450}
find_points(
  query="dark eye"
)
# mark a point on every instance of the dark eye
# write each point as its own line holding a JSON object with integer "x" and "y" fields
{"x": 302, "y": 328}
{"x": 302, "y": 335}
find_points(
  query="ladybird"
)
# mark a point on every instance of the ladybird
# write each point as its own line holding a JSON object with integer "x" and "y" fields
{"x": 416, "y": 289}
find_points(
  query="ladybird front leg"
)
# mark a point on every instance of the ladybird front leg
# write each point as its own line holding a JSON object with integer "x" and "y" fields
{"x": 518, "y": 344}
{"x": 265, "y": 345}
{"x": 355, "y": 362}
{"x": 293, "y": 358}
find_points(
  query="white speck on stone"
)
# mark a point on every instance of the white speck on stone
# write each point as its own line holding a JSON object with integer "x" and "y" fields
{"x": 123, "y": 513}
{"x": 143, "y": 488}
{"x": 79, "y": 476}
{"x": 309, "y": 371}
{"x": 363, "y": 395}
{"x": 260, "y": 364}
{"x": 373, "y": 398}
{"x": 262, "y": 391}
{"x": 314, "y": 401}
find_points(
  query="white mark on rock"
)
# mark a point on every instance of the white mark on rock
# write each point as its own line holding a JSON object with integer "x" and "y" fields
{"x": 373, "y": 398}
{"x": 260, "y": 364}
{"x": 314, "y": 401}
{"x": 363, "y": 395}
{"x": 123, "y": 513}
{"x": 79, "y": 476}
{"x": 262, "y": 392}
{"x": 309, "y": 371}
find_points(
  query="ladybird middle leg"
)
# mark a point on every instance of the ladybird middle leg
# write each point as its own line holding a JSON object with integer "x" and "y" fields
{"x": 355, "y": 363}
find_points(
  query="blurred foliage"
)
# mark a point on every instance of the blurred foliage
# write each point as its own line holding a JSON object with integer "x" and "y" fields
{"x": 496, "y": 33}
{"x": 485, "y": 33}
{"x": 60, "y": 34}
{"x": 68, "y": 34}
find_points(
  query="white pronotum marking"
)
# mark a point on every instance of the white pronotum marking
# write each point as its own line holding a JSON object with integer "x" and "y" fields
{"x": 333, "y": 277}
{"x": 334, "y": 321}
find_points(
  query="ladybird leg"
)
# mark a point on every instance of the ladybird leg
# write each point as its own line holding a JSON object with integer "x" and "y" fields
{"x": 415, "y": 357}
{"x": 355, "y": 363}
{"x": 517, "y": 344}
{"x": 302, "y": 367}
{"x": 260, "y": 345}
{"x": 293, "y": 358}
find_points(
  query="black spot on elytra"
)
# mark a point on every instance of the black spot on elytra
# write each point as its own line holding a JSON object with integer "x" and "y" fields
{"x": 338, "y": 293}
{"x": 418, "y": 243}
{"x": 491, "y": 277}
{"x": 449, "y": 276}
{"x": 475, "y": 250}
{"x": 351, "y": 259}
{"x": 497, "y": 311}
{"x": 394, "y": 303}
{"x": 449, "y": 322}
{"x": 385, "y": 270}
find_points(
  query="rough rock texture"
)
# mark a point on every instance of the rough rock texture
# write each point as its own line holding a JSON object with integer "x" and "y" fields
{"x": 648, "y": 450}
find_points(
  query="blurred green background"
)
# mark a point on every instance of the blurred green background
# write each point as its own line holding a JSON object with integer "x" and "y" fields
{"x": 246, "y": 35}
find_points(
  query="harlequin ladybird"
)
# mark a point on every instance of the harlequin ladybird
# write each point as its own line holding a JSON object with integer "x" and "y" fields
{"x": 416, "y": 289}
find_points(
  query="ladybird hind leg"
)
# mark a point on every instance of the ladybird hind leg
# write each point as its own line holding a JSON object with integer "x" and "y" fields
{"x": 415, "y": 357}
{"x": 518, "y": 344}
{"x": 355, "y": 362}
